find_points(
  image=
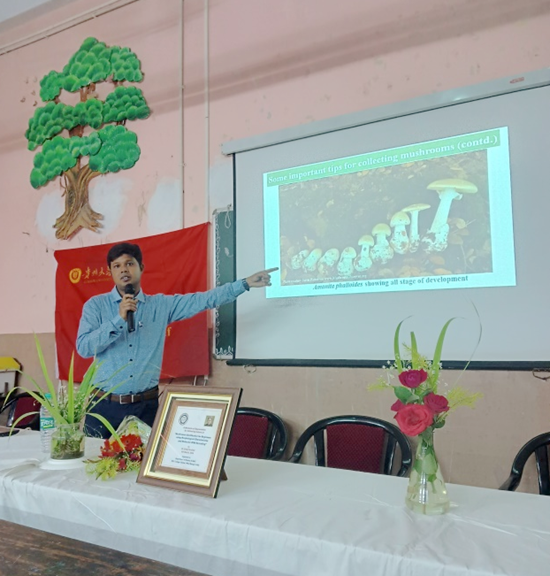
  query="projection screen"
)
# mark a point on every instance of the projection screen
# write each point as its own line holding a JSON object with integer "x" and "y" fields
{"x": 423, "y": 211}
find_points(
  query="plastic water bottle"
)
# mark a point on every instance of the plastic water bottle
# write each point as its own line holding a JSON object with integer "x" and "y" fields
{"x": 47, "y": 426}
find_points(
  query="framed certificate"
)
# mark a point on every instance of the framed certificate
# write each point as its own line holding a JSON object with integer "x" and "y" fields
{"x": 188, "y": 442}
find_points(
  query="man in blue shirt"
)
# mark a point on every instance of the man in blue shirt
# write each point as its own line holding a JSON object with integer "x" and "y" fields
{"x": 134, "y": 358}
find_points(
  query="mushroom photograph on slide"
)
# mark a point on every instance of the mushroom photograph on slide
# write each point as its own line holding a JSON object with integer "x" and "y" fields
{"x": 416, "y": 217}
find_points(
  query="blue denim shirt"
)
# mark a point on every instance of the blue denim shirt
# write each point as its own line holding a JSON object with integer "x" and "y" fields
{"x": 137, "y": 356}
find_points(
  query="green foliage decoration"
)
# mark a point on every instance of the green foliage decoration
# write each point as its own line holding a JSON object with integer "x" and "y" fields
{"x": 109, "y": 148}
{"x": 91, "y": 64}
{"x": 125, "y": 65}
{"x": 125, "y": 103}
{"x": 46, "y": 122}
{"x": 51, "y": 85}
{"x": 90, "y": 113}
{"x": 85, "y": 146}
{"x": 54, "y": 159}
{"x": 119, "y": 150}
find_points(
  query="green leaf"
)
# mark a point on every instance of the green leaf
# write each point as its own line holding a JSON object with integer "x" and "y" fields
{"x": 415, "y": 360}
{"x": 22, "y": 417}
{"x": 438, "y": 350}
{"x": 107, "y": 425}
{"x": 477, "y": 343}
{"x": 47, "y": 378}
{"x": 426, "y": 464}
{"x": 70, "y": 391}
{"x": 396, "y": 351}
{"x": 50, "y": 406}
{"x": 403, "y": 394}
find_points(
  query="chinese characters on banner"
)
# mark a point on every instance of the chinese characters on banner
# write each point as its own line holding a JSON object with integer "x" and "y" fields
{"x": 175, "y": 263}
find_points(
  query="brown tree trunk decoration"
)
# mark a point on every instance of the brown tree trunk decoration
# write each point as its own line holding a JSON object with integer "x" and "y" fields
{"x": 78, "y": 212}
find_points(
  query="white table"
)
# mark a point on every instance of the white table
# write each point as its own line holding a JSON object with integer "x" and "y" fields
{"x": 273, "y": 518}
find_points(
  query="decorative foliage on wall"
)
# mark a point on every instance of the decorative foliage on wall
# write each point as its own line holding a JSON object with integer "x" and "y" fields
{"x": 89, "y": 139}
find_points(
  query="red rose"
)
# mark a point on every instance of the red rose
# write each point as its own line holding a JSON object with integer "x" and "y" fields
{"x": 436, "y": 403}
{"x": 122, "y": 464}
{"x": 397, "y": 405}
{"x": 413, "y": 419}
{"x": 413, "y": 378}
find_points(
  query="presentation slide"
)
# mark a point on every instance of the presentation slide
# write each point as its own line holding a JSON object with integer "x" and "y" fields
{"x": 417, "y": 217}
{"x": 426, "y": 216}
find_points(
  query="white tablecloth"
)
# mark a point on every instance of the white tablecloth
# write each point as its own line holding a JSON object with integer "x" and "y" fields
{"x": 273, "y": 518}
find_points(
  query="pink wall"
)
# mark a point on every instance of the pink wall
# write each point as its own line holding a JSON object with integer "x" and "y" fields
{"x": 139, "y": 202}
{"x": 277, "y": 65}
{"x": 269, "y": 67}
{"x": 250, "y": 67}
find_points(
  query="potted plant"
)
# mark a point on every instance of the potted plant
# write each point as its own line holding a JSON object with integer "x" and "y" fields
{"x": 68, "y": 405}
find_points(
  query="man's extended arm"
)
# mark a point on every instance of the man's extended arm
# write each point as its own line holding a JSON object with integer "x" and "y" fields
{"x": 187, "y": 305}
{"x": 93, "y": 335}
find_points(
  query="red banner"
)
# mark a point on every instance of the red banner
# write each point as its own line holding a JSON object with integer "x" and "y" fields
{"x": 175, "y": 263}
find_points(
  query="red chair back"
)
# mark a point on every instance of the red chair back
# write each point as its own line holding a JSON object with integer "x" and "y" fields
{"x": 355, "y": 447}
{"x": 356, "y": 442}
{"x": 249, "y": 436}
{"x": 22, "y": 405}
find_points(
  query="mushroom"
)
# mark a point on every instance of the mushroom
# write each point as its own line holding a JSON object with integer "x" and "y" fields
{"x": 449, "y": 189}
{"x": 345, "y": 266}
{"x": 381, "y": 252}
{"x": 327, "y": 261}
{"x": 400, "y": 240}
{"x": 298, "y": 259}
{"x": 363, "y": 261}
{"x": 414, "y": 236}
{"x": 310, "y": 263}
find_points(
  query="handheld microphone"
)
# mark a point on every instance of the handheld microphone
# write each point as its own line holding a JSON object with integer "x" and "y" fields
{"x": 129, "y": 289}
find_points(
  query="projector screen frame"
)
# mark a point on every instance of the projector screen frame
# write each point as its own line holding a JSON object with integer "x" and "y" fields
{"x": 523, "y": 82}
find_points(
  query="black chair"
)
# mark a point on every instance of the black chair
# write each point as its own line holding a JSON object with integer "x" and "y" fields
{"x": 18, "y": 405}
{"x": 359, "y": 443}
{"x": 259, "y": 434}
{"x": 539, "y": 445}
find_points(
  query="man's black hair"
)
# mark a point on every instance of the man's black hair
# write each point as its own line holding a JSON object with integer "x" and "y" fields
{"x": 119, "y": 250}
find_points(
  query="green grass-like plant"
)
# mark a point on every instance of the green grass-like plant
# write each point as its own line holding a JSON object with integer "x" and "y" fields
{"x": 70, "y": 403}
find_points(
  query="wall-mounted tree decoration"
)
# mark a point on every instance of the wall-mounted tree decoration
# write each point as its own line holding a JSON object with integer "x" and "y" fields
{"x": 89, "y": 139}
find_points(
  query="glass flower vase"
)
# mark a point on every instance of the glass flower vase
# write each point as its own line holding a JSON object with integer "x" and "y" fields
{"x": 67, "y": 442}
{"x": 427, "y": 493}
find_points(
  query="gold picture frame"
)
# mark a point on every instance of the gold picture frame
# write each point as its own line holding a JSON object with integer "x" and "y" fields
{"x": 188, "y": 443}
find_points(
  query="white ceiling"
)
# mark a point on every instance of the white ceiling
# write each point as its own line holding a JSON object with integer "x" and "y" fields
{"x": 11, "y": 8}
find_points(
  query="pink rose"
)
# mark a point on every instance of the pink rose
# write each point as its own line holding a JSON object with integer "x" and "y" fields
{"x": 413, "y": 378}
{"x": 397, "y": 405}
{"x": 436, "y": 403}
{"x": 413, "y": 419}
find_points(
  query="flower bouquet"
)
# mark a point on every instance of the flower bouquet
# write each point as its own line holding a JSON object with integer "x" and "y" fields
{"x": 420, "y": 409}
{"x": 123, "y": 453}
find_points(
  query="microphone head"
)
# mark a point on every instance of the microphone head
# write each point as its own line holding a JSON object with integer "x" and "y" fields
{"x": 129, "y": 289}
